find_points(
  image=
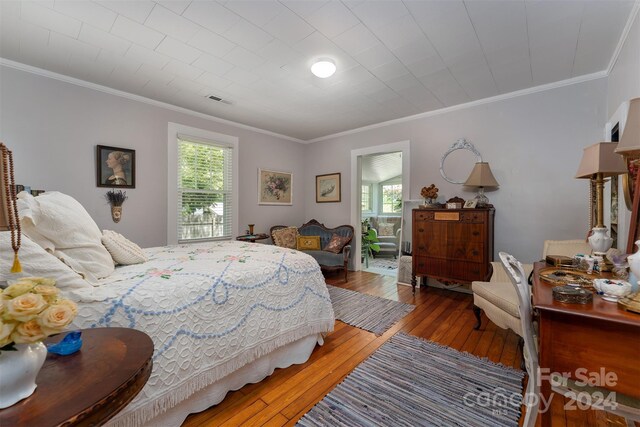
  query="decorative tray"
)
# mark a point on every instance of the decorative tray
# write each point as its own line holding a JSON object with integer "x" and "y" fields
{"x": 565, "y": 276}
{"x": 630, "y": 303}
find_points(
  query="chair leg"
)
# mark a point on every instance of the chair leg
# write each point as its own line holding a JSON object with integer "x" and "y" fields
{"x": 477, "y": 311}
{"x": 523, "y": 366}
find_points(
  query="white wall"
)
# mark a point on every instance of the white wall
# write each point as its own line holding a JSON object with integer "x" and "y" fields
{"x": 533, "y": 143}
{"x": 53, "y": 128}
{"x": 624, "y": 79}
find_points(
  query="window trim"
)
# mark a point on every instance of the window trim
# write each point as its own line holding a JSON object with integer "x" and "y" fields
{"x": 174, "y": 129}
{"x": 370, "y": 185}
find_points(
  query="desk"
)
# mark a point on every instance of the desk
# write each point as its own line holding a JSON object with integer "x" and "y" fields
{"x": 252, "y": 237}
{"x": 87, "y": 387}
{"x": 591, "y": 336}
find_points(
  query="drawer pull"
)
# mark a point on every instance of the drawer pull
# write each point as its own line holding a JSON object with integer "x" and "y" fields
{"x": 475, "y": 252}
{"x": 421, "y": 230}
{"x": 476, "y": 233}
{"x": 422, "y": 247}
{"x": 421, "y": 264}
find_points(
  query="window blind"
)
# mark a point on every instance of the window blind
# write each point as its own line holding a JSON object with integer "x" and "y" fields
{"x": 205, "y": 188}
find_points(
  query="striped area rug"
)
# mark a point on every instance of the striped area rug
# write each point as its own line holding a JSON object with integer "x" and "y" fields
{"x": 409, "y": 381}
{"x": 371, "y": 313}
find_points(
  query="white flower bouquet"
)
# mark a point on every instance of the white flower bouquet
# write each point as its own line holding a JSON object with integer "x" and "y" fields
{"x": 31, "y": 310}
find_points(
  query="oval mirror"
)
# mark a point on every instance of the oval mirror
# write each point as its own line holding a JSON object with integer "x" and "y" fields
{"x": 462, "y": 155}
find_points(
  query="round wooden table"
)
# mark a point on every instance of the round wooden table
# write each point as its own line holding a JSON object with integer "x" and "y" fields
{"x": 87, "y": 387}
{"x": 252, "y": 237}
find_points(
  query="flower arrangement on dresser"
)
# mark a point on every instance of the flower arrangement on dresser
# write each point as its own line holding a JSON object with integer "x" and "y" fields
{"x": 30, "y": 311}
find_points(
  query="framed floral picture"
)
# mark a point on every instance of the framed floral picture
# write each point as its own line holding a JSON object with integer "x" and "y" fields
{"x": 328, "y": 188}
{"x": 275, "y": 188}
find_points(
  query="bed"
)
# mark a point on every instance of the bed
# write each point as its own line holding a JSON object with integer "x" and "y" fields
{"x": 220, "y": 314}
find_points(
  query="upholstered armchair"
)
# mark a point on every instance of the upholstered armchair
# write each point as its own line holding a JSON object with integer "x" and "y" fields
{"x": 388, "y": 244}
{"x": 498, "y": 298}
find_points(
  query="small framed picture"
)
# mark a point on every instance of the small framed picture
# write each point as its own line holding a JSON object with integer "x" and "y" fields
{"x": 454, "y": 205}
{"x": 470, "y": 204}
{"x": 328, "y": 188}
{"x": 115, "y": 167}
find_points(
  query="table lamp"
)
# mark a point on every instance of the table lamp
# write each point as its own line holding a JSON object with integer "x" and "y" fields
{"x": 599, "y": 161}
{"x": 481, "y": 176}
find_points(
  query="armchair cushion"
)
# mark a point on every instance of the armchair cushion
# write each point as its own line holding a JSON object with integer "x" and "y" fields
{"x": 385, "y": 229}
{"x": 500, "y": 294}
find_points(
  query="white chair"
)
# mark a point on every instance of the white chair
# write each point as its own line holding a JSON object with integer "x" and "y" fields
{"x": 519, "y": 281}
{"x": 624, "y": 406}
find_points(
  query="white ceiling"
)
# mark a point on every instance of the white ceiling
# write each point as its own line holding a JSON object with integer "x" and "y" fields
{"x": 381, "y": 167}
{"x": 395, "y": 58}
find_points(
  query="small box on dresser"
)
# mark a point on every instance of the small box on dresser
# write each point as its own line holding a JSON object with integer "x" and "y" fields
{"x": 452, "y": 245}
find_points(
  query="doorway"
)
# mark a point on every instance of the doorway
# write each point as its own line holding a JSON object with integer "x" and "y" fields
{"x": 377, "y": 196}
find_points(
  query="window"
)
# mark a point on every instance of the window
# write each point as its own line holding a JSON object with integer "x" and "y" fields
{"x": 202, "y": 180}
{"x": 392, "y": 198}
{"x": 367, "y": 203}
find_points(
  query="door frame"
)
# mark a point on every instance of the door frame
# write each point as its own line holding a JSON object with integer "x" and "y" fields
{"x": 356, "y": 183}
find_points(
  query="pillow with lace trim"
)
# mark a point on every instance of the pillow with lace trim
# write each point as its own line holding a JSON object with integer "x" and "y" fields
{"x": 122, "y": 250}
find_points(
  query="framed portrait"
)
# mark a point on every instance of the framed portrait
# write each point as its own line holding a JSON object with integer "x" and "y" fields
{"x": 275, "y": 188}
{"x": 115, "y": 167}
{"x": 470, "y": 204}
{"x": 328, "y": 188}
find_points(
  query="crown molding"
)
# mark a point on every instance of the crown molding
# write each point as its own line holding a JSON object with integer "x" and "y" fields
{"x": 138, "y": 98}
{"x": 623, "y": 37}
{"x": 502, "y": 97}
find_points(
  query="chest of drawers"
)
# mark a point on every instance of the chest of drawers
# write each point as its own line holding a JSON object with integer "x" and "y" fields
{"x": 452, "y": 245}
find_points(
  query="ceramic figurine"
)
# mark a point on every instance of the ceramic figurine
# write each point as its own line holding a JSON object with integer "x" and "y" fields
{"x": 68, "y": 345}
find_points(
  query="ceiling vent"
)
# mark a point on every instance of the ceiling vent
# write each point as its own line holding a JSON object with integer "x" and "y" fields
{"x": 218, "y": 99}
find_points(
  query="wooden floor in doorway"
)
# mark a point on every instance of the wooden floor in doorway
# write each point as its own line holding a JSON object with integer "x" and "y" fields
{"x": 442, "y": 316}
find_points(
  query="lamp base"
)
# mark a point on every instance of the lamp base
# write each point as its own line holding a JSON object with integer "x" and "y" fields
{"x": 481, "y": 199}
{"x": 599, "y": 241}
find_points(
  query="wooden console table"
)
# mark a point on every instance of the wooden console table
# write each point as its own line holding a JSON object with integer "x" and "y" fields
{"x": 87, "y": 387}
{"x": 589, "y": 337}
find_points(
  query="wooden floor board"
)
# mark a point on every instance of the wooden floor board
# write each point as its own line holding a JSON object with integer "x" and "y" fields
{"x": 440, "y": 315}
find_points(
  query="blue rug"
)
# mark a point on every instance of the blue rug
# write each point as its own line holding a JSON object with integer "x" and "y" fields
{"x": 368, "y": 312}
{"x": 409, "y": 381}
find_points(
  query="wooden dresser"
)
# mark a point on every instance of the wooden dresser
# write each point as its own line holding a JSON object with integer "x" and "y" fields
{"x": 452, "y": 245}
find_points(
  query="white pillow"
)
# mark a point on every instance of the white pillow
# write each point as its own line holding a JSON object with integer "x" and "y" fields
{"x": 37, "y": 262}
{"x": 122, "y": 250}
{"x": 61, "y": 225}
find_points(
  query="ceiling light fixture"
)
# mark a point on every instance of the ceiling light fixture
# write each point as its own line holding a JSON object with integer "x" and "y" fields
{"x": 323, "y": 68}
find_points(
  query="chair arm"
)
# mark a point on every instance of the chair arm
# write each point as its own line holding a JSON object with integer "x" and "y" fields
{"x": 500, "y": 274}
{"x": 347, "y": 252}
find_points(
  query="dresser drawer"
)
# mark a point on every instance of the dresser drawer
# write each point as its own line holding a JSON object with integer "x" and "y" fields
{"x": 465, "y": 251}
{"x": 469, "y": 271}
{"x": 432, "y": 267}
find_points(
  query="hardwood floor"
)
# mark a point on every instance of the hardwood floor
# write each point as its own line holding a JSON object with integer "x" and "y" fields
{"x": 442, "y": 316}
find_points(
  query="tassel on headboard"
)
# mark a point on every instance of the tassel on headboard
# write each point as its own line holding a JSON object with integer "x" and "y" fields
{"x": 9, "y": 205}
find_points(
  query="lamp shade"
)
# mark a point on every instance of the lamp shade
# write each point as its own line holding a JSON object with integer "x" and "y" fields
{"x": 481, "y": 176}
{"x": 600, "y": 158}
{"x": 630, "y": 140}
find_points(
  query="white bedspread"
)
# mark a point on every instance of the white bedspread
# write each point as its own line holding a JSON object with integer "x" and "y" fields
{"x": 210, "y": 309}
